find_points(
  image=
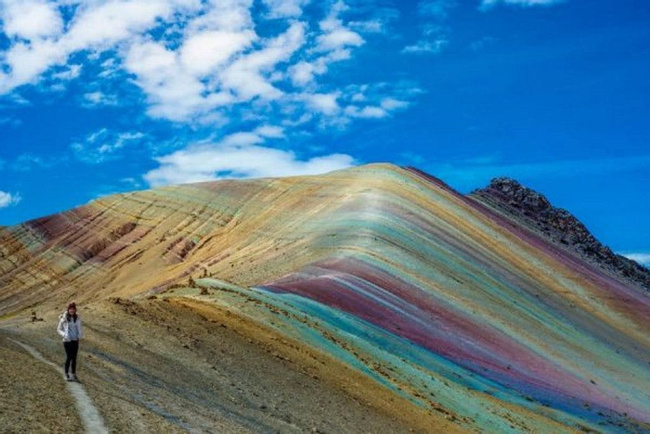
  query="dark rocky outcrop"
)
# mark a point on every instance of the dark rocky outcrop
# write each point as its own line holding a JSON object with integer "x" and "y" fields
{"x": 558, "y": 225}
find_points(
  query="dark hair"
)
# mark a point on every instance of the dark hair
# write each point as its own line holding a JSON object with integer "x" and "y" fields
{"x": 67, "y": 312}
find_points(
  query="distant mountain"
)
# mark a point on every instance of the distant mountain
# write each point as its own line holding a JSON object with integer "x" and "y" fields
{"x": 493, "y": 311}
{"x": 533, "y": 210}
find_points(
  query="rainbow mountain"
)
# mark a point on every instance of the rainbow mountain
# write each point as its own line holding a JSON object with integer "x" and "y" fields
{"x": 459, "y": 305}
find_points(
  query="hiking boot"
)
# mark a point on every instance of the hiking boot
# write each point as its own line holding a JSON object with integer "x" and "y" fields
{"x": 66, "y": 377}
{"x": 73, "y": 377}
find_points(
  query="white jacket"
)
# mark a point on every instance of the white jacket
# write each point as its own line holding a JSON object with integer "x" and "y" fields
{"x": 63, "y": 327}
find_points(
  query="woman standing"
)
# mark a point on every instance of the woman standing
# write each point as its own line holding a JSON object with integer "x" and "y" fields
{"x": 70, "y": 329}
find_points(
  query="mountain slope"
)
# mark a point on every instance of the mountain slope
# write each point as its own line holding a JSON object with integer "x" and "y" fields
{"x": 442, "y": 300}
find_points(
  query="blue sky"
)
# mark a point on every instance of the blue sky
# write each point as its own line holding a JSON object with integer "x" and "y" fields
{"x": 106, "y": 96}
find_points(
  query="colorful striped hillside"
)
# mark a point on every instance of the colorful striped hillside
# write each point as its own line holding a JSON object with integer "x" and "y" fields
{"x": 438, "y": 297}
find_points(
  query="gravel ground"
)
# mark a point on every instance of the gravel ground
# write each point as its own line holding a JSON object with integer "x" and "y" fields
{"x": 168, "y": 366}
{"x": 33, "y": 396}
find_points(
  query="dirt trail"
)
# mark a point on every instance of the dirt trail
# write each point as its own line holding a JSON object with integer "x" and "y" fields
{"x": 89, "y": 414}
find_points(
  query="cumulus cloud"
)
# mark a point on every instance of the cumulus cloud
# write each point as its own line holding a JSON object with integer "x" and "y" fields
{"x": 239, "y": 155}
{"x": 333, "y": 45}
{"x": 95, "y": 26}
{"x": 362, "y": 107}
{"x": 203, "y": 53}
{"x": 9, "y": 199}
{"x": 197, "y": 62}
{"x": 30, "y": 19}
{"x": 285, "y": 8}
{"x": 367, "y": 101}
{"x": 202, "y": 63}
{"x": 172, "y": 92}
{"x": 246, "y": 76}
{"x": 336, "y": 35}
{"x": 488, "y": 4}
{"x": 270, "y": 131}
{"x": 323, "y": 102}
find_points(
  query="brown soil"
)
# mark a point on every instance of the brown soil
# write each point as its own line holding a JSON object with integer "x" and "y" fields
{"x": 176, "y": 365}
{"x": 33, "y": 396}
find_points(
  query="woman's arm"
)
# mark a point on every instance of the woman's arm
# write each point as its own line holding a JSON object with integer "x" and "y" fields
{"x": 59, "y": 328}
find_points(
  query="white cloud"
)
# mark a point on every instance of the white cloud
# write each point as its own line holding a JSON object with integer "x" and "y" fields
{"x": 172, "y": 92}
{"x": 487, "y": 4}
{"x": 270, "y": 131}
{"x": 336, "y": 35}
{"x": 99, "y": 98}
{"x": 338, "y": 38}
{"x": 302, "y": 73}
{"x": 27, "y": 61}
{"x": 379, "y": 20}
{"x": 100, "y": 24}
{"x": 285, "y": 8}
{"x": 198, "y": 62}
{"x": 69, "y": 73}
{"x": 383, "y": 109}
{"x": 366, "y": 112}
{"x": 8, "y": 199}
{"x": 96, "y": 25}
{"x": 332, "y": 45}
{"x": 240, "y": 155}
{"x": 393, "y": 104}
{"x": 204, "y": 52}
{"x": 323, "y": 102}
{"x": 246, "y": 76}
{"x": 222, "y": 15}
{"x": 30, "y": 19}
{"x": 641, "y": 258}
{"x": 104, "y": 145}
{"x": 369, "y": 101}
{"x": 109, "y": 68}
{"x": 189, "y": 84}
{"x": 369, "y": 26}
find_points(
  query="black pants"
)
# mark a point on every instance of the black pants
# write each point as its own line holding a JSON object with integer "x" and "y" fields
{"x": 71, "y": 350}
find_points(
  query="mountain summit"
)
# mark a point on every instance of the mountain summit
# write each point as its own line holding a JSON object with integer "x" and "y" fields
{"x": 533, "y": 210}
{"x": 377, "y": 292}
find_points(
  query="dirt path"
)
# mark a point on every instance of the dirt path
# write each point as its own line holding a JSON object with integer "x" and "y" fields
{"x": 174, "y": 365}
{"x": 89, "y": 414}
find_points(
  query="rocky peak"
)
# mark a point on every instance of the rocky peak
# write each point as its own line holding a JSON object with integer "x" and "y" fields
{"x": 559, "y": 226}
